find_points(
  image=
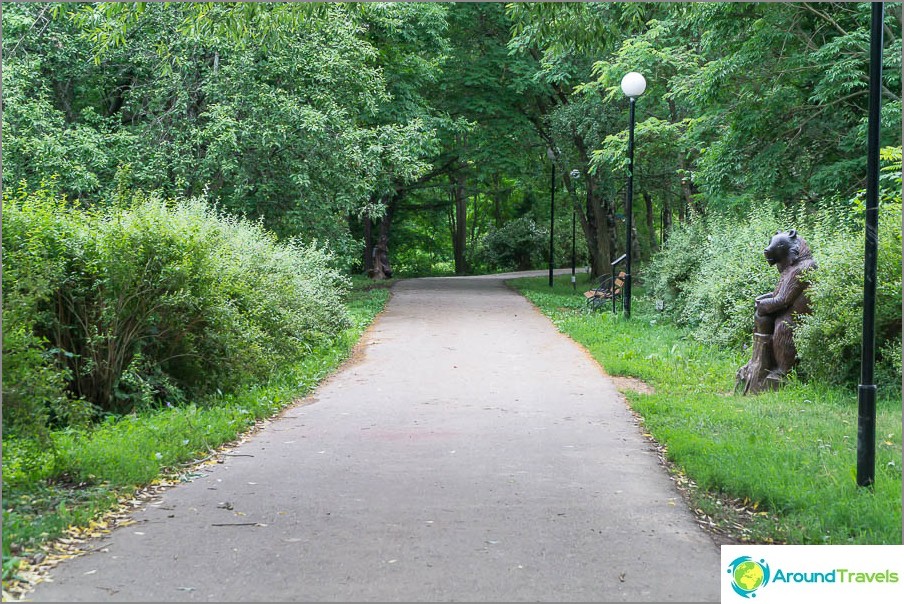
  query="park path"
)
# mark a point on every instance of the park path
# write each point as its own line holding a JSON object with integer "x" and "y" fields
{"x": 472, "y": 453}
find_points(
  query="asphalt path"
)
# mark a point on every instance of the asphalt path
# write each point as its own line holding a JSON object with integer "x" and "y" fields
{"x": 470, "y": 452}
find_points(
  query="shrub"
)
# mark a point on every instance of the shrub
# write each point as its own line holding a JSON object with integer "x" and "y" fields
{"x": 518, "y": 245}
{"x": 710, "y": 272}
{"x": 34, "y": 379}
{"x": 712, "y": 268}
{"x": 154, "y": 301}
{"x": 669, "y": 272}
{"x": 829, "y": 339}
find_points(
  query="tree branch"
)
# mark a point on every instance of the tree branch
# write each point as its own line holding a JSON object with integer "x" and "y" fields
{"x": 823, "y": 16}
{"x": 33, "y": 25}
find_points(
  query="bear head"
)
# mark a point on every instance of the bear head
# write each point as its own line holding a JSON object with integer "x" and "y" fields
{"x": 786, "y": 248}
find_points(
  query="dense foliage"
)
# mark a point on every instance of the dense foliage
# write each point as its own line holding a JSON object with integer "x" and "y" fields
{"x": 417, "y": 135}
{"x": 287, "y": 131}
{"x": 381, "y": 126}
{"x": 147, "y": 303}
{"x": 519, "y": 245}
{"x": 747, "y": 104}
{"x": 711, "y": 270}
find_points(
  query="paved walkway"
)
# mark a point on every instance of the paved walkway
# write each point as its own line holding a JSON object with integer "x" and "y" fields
{"x": 473, "y": 453}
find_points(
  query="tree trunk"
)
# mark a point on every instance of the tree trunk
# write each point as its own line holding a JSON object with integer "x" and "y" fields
{"x": 635, "y": 243}
{"x": 461, "y": 224}
{"x": 377, "y": 252}
{"x": 475, "y": 216}
{"x": 687, "y": 192}
{"x": 666, "y": 219}
{"x": 651, "y": 226}
{"x": 497, "y": 202}
{"x": 368, "y": 245}
{"x": 687, "y": 189}
{"x": 588, "y": 219}
{"x": 602, "y": 250}
{"x": 382, "y": 269}
{"x": 596, "y": 221}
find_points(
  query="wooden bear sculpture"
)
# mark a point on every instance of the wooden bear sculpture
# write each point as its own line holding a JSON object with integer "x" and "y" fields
{"x": 774, "y": 353}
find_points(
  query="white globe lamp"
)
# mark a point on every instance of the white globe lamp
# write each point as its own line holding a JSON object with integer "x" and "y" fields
{"x": 633, "y": 85}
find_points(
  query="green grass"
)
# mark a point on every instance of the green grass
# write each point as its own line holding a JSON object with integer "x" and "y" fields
{"x": 791, "y": 453}
{"x": 47, "y": 489}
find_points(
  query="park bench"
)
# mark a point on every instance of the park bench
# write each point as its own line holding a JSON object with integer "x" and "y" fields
{"x": 610, "y": 288}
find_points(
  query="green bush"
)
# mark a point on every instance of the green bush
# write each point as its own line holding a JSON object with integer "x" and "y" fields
{"x": 710, "y": 272}
{"x": 712, "y": 268}
{"x": 668, "y": 274}
{"x": 519, "y": 245}
{"x": 829, "y": 340}
{"x": 152, "y": 301}
{"x": 34, "y": 378}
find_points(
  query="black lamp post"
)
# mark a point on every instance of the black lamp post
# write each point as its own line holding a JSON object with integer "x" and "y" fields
{"x": 633, "y": 85}
{"x": 866, "y": 393}
{"x": 552, "y": 207}
{"x": 575, "y": 175}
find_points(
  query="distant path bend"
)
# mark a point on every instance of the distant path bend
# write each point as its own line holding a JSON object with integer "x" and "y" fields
{"x": 472, "y": 453}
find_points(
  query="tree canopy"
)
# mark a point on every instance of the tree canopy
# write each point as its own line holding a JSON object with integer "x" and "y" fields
{"x": 407, "y": 132}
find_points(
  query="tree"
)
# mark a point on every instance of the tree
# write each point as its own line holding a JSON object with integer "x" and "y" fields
{"x": 298, "y": 133}
{"x": 747, "y": 103}
{"x": 564, "y": 39}
{"x": 476, "y": 102}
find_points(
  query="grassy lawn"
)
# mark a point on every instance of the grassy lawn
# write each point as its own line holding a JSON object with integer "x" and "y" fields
{"x": 779, "y": 467}
{"x": 80, "y": 475}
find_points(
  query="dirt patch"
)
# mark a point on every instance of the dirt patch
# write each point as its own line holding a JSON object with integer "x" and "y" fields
{"x": 633, "y": 384}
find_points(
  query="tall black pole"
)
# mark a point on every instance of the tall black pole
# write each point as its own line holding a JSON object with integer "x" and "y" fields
{"x": 629, "y": 211}
{"x": 552, "y": 217}
{"x": 866, "y": 393}
{"x": 574, "y": 281}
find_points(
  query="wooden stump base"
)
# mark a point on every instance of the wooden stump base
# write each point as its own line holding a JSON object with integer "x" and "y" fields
{"x": 759, "y": 375}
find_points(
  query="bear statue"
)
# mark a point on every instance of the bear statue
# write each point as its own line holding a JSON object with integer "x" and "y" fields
{"x": 774, "y": 353}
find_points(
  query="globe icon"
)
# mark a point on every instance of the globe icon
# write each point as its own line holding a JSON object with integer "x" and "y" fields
{"x": 748, "y": 575}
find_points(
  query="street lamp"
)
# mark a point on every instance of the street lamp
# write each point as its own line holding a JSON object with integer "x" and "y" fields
{"x": 633, "y": 85}
{"x": 575, "y": 175}
{"x": 552, "y": 206}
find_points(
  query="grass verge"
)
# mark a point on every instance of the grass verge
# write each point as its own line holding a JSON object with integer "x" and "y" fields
{"x": 775, "y": 468}
{"x": 80, "y": 474}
